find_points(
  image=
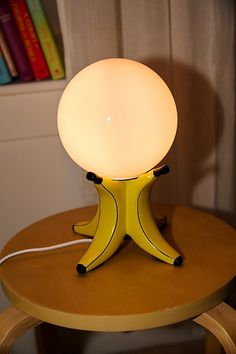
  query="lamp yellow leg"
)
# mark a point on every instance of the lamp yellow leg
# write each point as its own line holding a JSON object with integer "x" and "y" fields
{"x": 109, "y": 232}
{"x": 141, "y": 225}
{"x": 89, "y": 227}
{"x": 124, "y": 209}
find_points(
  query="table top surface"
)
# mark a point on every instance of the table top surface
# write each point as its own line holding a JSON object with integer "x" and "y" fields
{"x": 132, "y": 290}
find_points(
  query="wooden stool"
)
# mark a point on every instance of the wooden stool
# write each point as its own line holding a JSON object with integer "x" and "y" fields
{"x": 131, "y": 291}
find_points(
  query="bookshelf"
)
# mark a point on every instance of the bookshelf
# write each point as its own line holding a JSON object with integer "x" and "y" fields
{"x": 40, "y": 51}
{"x": 32, "y": 87}
{"x": 36, "y": 172}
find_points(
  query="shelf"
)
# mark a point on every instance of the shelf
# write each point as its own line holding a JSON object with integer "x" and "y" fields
{"x": 30, "y": 87}
{"x": 21, "y": 88}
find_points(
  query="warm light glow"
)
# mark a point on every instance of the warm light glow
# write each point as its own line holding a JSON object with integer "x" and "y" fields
{"x": 117, "y": 118}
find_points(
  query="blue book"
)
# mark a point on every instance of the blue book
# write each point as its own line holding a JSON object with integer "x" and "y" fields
{"x": 5, "y": 77}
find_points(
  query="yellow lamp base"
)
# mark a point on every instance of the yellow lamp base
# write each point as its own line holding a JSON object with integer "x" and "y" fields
{"x": 124, "y": 209}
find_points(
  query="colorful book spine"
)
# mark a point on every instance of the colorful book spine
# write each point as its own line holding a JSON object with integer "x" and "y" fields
{"x": 29, "y": 39}
{"x": 5, "y": 77}
{"x": 46, "y": 39}
{"x": 14, "y": 42}
{"x": 7, "y": 56}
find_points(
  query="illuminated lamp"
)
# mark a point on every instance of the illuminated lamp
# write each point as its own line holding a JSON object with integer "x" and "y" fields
{"x": 117, "y": 119}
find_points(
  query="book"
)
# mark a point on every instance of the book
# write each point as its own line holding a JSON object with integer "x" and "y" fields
{"x": 7, "y": 56}
{"x": 46, "y": 39}
{"x": 5, "y": 76}
{"x": 29, "y": 39}
{"x": 14, "y": 42}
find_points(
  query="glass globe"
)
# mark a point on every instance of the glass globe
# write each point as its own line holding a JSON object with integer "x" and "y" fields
{"x": 117, "y": 118}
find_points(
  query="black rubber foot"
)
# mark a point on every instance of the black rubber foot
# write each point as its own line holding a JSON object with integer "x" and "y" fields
{"x": 81, "y": 269}
{"x": 94, "y": 178}
{"x": 178, "y": 261}
{"x": 161, "y": 171}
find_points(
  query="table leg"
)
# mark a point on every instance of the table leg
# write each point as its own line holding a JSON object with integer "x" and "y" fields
{"x": 13, "y": 323}
{"x": 221, "y": 321}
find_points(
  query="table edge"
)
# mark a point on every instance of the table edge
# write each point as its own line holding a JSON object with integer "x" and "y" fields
{"x": 120, "y": 323}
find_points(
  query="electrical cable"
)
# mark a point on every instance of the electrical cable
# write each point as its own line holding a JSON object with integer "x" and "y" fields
{"x": 42, "y": 249}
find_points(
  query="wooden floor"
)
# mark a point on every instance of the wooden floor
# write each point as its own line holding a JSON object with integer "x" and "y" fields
{"x": 181, "y": 348}
{"x": 50, "y": 341}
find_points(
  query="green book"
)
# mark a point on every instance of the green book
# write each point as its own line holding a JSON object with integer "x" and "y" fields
{"x": 5, "y": 77}
{"x": 46, "y": 39}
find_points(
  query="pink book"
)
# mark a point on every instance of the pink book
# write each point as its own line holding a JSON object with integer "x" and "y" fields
{"x": 14, "y": 42}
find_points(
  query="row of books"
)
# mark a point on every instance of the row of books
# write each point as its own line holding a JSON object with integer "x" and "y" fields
{"x": 27, "y": 47}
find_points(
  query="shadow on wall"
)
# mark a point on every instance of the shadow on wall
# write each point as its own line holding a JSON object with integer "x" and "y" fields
{"x": 193, "y": 157}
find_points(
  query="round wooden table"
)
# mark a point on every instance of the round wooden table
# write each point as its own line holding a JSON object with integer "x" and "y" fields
{"x": 132, "y": 290}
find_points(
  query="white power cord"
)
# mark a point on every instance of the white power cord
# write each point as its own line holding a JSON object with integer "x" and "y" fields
{"x": 42, "y": 249}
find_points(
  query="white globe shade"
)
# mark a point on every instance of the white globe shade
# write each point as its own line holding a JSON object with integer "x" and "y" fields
{"x": 117, "y": 118}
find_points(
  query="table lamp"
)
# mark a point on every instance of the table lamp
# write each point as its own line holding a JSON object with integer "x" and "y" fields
{"x": 117, "y": 119}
